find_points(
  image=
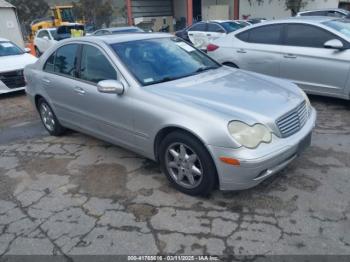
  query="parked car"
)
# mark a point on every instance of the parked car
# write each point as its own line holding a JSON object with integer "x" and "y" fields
{"x": 118, "y": 30}
{"x": 162, "y": 98}
{"x": 44, "y": 39}
{"x": 200, "y": 34}
{"x": 313, "y": 52}
{"x": 254, "y": 21}
{"x": 12, "y": 61}
{"x": 334, "y": 12}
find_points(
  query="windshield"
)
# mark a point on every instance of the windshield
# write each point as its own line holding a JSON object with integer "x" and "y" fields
{"x": 8, "y": 48}
{"x": 341, "y": 25}
{"x": 231, "y": 26}
{"x": 160, "y": 60}
{"x": 67, "y": 15}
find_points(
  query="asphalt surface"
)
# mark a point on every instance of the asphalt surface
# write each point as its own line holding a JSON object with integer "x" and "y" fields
{"x": 78, "y": 195}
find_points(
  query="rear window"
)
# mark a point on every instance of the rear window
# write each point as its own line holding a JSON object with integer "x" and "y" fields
{"x": 270, "y": 34}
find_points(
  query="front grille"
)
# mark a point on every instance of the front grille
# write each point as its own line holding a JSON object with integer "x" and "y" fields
{"x": 13, "y": 79}
{"x": 293, "y": 121}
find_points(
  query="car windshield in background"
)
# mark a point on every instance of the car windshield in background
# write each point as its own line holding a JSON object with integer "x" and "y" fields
{"x": 231, "y": 26}
{"x": 160, "y": 60}
{"x": 9, "y": 48}
{"x": 340, "y": 25}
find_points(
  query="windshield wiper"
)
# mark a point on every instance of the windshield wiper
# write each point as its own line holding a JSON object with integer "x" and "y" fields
{"x": 206, "y": 68}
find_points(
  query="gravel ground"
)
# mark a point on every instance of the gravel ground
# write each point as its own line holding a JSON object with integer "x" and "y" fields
{"x": 78, "y": 195}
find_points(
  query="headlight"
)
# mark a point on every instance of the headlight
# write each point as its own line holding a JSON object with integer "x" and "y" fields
{"x": 249, "y": 136}
{"x": 307, "y": 100}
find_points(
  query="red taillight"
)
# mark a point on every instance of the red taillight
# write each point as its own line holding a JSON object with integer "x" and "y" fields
{"x": 212, "y": 47}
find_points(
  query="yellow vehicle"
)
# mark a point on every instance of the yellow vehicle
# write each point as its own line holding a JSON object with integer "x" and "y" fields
{"x": 61, "y": 16}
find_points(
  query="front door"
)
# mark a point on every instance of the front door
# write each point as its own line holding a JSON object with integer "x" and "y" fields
{"x": 309, "y": 64}
{"x": 108, "y": 115}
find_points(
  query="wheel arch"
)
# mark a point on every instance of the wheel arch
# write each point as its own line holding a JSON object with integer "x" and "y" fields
{"x": 169, "y": 129}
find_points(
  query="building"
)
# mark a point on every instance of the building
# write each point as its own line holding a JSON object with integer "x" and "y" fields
{"x": 10, "y": 27}
{"x": 179, "y": 13}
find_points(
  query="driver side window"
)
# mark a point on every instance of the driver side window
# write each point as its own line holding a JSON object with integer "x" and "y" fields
{"x": 95, "y": 67}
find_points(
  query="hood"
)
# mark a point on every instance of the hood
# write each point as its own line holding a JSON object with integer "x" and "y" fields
{"x": 234, "y": 94}
{"x": 16, "y": 62}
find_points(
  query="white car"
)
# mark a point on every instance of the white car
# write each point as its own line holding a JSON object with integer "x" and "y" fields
{"x": 44, "y": 39}
{"x": 202, "y": 33}
{"x": 13, "y": 59}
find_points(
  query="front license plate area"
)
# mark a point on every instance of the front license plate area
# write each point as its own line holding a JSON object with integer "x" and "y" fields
{"x": 304, "y": 144}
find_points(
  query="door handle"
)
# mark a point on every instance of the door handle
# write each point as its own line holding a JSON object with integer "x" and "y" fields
{"x": 241, "y": 51}
{"x": 208, "y": 34}
{"x": 46, "y": 81}
{"x": 79, "y": 90}
{"x": 290, "y": 56}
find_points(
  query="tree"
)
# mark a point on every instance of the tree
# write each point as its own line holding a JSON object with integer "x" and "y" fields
{"x": 94, "y": 12}
{"x": 295, "y": 5}
{"x": 30, "y": 10}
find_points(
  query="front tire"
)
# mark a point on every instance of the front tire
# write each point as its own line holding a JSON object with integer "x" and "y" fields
{"x": 49, "y": 119}
{"x": 187, "y": 164}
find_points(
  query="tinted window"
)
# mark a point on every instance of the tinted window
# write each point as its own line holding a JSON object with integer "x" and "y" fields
{"x": 95, "y": 67}
{"x": 243, "y": 36}
{"x": 307, "y": 36}
{"x": 66, "y": 60}
{"x": 199, "y": 27}
{"x": 263, "y": 35}
{"x": 215, "y": 28}
{"x": 49, "y": 65}
{"x": 43, "y": 33}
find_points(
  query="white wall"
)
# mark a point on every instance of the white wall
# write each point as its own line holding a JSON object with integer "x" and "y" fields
{"x": 209, "y": 10}
{"x": 274, "y": 9}
{"x": 10, "y": 28}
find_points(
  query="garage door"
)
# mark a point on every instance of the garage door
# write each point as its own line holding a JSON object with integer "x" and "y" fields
{"x": 151, "y": 8}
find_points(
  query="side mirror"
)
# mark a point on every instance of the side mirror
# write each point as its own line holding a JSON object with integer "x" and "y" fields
{"x": 27, "y": 50}
{"x": 111, "y": 87}
{"x": 334, "y": 44}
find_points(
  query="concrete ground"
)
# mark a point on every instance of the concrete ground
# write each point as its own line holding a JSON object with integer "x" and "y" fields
{"x": 78, "y": 195}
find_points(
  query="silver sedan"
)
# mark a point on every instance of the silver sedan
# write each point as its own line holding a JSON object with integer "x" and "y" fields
{"x": 208, "y": 125}
{"x": 313, "y": 52}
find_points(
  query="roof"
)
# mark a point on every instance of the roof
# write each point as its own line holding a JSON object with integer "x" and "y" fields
{"x": 326, "y": 9}
{"x": 4, "y": 4}
{"x": 302, "y": 19}
{"x": 119, "y": 38}
{"x": 3, "y": 39}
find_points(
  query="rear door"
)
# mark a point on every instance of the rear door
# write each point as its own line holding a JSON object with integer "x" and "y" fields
{"x": 198, "y": 35}
{"x": 59, "y": 81}
{"x": 260, "y": 49}
{"x": 309, "y": 64}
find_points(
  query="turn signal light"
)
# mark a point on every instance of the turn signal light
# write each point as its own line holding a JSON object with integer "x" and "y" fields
{"x": 212, "y": 47}
{"x": 230, "y": 161}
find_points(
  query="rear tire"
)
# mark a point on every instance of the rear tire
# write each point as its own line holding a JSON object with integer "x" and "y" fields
{"x": 49, "y": 119}
{"x": 187, "y": 164}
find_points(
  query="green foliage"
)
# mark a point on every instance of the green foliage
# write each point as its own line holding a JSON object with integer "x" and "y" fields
{"x": 94, "y": 12}
{"x": 30, "y": 10}
{"x": 295, "y": 5}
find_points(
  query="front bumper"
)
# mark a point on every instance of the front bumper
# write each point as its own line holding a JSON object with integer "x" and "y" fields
{"x": 263, "y": 162}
